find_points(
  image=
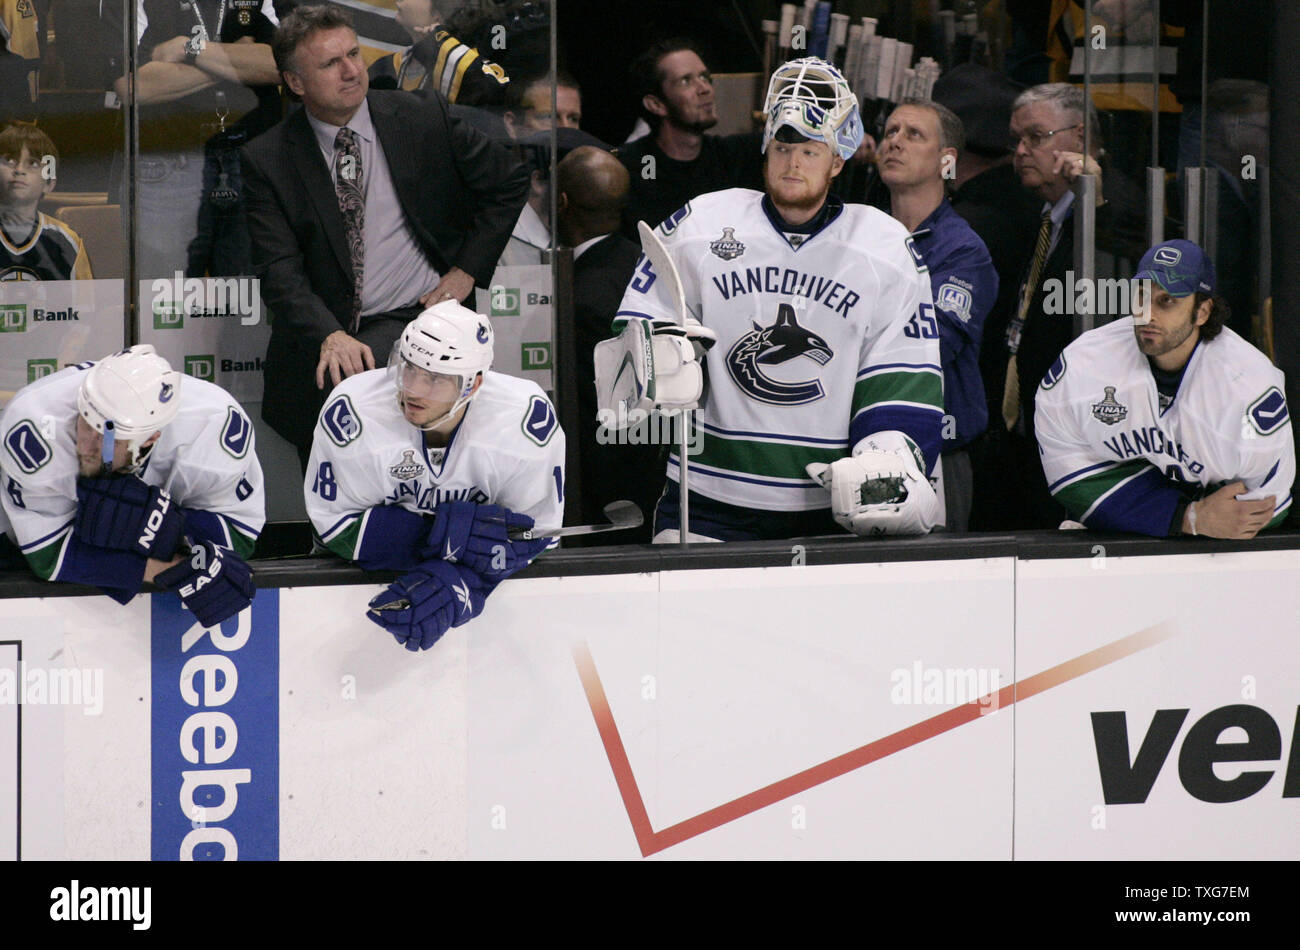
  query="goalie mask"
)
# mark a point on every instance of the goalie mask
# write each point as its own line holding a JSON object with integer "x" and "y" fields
{"x": 812, "y": 97}
{"x": 439, "y": 357}
{"x": 127, "y": 397}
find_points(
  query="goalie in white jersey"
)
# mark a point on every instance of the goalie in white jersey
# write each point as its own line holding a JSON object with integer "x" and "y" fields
{"x": 1167, "y": 422}
{"x": 437, "y": 467}
{"x": 123, "y": 471}
{"x": 825, "y": 372}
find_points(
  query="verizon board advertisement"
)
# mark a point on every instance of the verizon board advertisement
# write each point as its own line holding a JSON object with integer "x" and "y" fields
{"x": 50, "y": 324}
{"x": 520, "y": 304}
{"x": 1099, "y": 708}
{"x": 213, "y": 328}
{"x": 1163, "y": 721}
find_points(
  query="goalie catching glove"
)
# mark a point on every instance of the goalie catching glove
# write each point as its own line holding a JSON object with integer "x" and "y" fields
{"x": 881, "y": 489}
{"x": 215, "y": 583}
{"x": 647, "y": 367}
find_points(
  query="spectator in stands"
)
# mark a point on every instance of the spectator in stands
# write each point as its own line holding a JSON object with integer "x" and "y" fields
{"x": 987, "y": 193}
{"x": 365, "y": 207}
{"x": 528, "y": 106}
{"x": 1047, "y": 131}
{"x": 33, "y": 246}
{"x": 437, "y": 60}
{"x": 20, "y": 58}
{"x": 917, "y": 155}
{"x": 592, "y": 190}
{"x": 678, "y": 160}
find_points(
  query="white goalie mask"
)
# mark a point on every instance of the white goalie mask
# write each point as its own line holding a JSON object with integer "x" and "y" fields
{"x": 813, "y": 98}
{"x": 127, "y": 397}
{"x": 439, "y": 357}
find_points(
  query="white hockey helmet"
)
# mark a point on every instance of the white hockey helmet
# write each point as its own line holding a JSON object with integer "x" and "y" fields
{"x": 444, "y": 343}
{"x": 813, "y": 98}
{"x": 128, "y": 397}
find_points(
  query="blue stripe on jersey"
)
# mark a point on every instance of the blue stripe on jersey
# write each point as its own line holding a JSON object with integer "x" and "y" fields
{"x": 40, "y": 542}
{"x": 337, "y": 526}
{"x": 1271, "y": 472}
{"x": 772, "y": 436}
{"x": 867, "y": 371}
{"x": 922, "y": 424}
{"x": 1083, "y": 471}
{"x": 1144, "y": 503}
{"x": 719, "y": 473}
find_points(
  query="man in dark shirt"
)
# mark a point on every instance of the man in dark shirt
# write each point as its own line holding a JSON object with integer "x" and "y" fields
{"x": 677, "y": 160}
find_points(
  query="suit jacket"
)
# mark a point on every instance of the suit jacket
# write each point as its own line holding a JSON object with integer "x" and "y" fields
{"x": 461, "y": 195}
{"x": 608, "y": 472}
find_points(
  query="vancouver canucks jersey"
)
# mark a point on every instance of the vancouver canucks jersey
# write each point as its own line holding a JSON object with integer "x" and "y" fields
{"x": 508, "y": 450}
{"x": 1117, "y": 461}
{"x": 823, "y": 340}
{"x": 205, "y": 457}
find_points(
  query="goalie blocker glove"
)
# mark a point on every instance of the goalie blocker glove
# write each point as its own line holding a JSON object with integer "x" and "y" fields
{"x": 880, "y": 489}
{"x": 215, "y": 583}
{"x": 649, "y": 367}
{"x": 122, "y": 513}
{"x": 478, "y": 536}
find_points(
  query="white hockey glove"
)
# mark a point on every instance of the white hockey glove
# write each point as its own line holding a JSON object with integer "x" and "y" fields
{"x": 880, "y": 489}
{"x": 645, "y": 368}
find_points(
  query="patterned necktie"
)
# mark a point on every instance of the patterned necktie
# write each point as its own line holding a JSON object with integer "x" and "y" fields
{"x": 348, "y": 181}
{"x": 1011, "y": 393}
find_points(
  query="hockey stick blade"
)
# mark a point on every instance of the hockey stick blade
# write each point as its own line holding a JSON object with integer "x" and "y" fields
{"x": 621, "y": 514}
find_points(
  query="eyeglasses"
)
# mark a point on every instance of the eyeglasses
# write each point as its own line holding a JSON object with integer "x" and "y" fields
{"x": 1036, "y": 139}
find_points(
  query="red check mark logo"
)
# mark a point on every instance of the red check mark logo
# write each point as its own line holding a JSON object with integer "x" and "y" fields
{"x": 651, "y": 841}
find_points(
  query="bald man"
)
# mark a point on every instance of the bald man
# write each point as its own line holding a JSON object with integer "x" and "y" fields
{"x": 592, "y": 192}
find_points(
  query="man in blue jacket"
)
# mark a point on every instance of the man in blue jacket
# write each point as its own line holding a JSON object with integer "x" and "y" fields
{"x": 917, "y": 157}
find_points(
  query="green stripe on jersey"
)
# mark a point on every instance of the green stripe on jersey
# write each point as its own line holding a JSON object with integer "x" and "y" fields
{"x": 904, "y": 386}
{"x": 771, "y": 459}
{"x": 1078, "y": 497}
{"x": 44, "y": 560}
{"x": 345, "y": 543}
{"x": 241, "y": 543}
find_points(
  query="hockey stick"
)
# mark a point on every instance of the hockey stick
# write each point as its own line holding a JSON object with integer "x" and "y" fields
{"x": 663, "y": 265}
{"x": 621, "y": 514}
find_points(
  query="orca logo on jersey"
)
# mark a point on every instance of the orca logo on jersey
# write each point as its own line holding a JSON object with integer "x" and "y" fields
{"x": 781, "y": 342}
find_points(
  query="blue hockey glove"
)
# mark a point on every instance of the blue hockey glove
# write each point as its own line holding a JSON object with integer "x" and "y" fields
{"x": 478, "y": 536}
{"x": 215, "y": 583}
{"x": 122, "y": 513}
{"x": 421, "y": 606}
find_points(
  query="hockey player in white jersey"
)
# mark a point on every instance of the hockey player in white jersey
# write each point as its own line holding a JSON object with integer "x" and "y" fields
{"x": 123, "y": 471}
{"x": 429, "y": 467}
{"x": 1167, "y": 422}
{"x": 825, "y": 372}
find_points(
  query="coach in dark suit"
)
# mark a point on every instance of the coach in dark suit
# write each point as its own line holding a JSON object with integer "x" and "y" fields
{"x": 363, "y": 208}
{"x": 592, "y": 188}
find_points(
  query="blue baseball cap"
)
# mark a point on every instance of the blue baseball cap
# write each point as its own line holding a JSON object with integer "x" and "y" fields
{"x": 1180, "y": 267}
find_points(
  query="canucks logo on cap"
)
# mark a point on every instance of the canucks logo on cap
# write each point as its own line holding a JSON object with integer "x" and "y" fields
{"x": 1109, "y": 411}
{"x": 727, "y": 247}
{"x": 783, "y": 341}
{"x": 166, "y": 393}
{"x": 1169, "y": 256}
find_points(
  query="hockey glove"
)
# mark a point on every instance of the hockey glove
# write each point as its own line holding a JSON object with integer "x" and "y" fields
{"x": 880, "y": 489}
{"x": 122, "y": 513}
{"x": 478, "y": 536}
{"x": 420, "y": 607}
{"x": 215, "y": 583}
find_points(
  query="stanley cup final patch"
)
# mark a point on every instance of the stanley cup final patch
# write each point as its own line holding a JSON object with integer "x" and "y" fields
{"x": 406, "y": 467}
{"x": 727, "y": 247}
{"x": 1109, "y": 410}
